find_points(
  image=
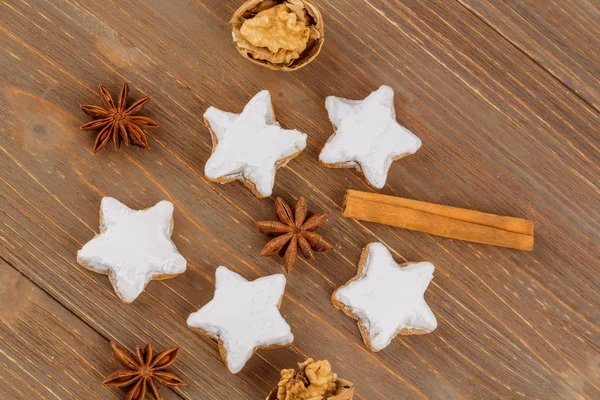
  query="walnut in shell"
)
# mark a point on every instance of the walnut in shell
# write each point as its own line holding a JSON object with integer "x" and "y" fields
{"x": 314, "y": 381}
{"x": 282, "y": 35}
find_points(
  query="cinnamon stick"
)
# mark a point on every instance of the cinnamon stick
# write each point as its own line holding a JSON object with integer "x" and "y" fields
{"x": 441, "y": 220}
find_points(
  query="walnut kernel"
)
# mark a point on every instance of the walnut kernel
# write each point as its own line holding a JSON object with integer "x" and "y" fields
{"x": 314, "y": 381}
{"x": 279, "y": 30}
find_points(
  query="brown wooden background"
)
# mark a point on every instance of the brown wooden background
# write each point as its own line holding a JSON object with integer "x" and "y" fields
{"x": 504, "y": 94}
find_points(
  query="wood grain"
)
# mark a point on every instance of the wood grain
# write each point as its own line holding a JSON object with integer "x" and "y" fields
{"x": 500, "y": 135}
{"x": 47, "y": 351}
{"x": 570, "y": 53}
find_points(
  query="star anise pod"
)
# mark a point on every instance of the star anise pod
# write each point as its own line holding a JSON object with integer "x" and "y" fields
{"x": 143, "y": 370}
{"x": 118, "y": 123}
{"x": 293, "y": 230}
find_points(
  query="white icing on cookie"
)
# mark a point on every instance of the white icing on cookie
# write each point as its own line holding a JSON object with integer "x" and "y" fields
{"x": 387, "y": 298}
{"x": 133, "y": 247}
{"x": 367, "y": 136}
{"x": 250, "y": 146}
{"x": 244, "y": 316}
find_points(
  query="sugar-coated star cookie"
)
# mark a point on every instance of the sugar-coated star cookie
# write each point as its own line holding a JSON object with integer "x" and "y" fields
{"x": 367, "y": 136}
{"x": 386, "y": 298}
{"x": 243, "y": 316}
{"x": 250, "y": 146}
{"x": 133, "y": 247}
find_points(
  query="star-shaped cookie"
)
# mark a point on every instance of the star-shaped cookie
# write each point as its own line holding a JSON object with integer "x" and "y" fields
{"x": 133, "y": 247}
{"x": 386, "y": 298}
{"x": 243, "y": 316}
{"x": 250, "y": 146}
{"x": 367, "y": 136}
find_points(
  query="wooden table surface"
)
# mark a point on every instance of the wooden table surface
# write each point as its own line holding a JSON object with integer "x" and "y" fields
{"x": 505, "y": 96}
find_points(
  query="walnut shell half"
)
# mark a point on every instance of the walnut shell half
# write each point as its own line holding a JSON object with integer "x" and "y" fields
{"x": 283, "y": 35}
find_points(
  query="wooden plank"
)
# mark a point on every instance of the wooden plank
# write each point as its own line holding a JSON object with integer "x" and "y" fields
{"x": 562, "y": 37}
{"x": 503, "y": 315}
{"x": 47, "y": 352}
